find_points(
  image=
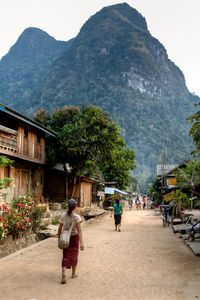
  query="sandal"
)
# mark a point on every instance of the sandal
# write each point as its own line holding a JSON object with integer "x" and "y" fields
{"x": 74, "y": 276}
{"x": 63, "y": 279}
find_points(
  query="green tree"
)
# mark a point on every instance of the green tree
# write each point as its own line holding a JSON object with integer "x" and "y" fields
{"x": 118, "y": 166}
{"x": 88, "y": 143}
{"x": 188, "y": 178}
{"x": 195, "y": 129}
{"x": 5, "y": 182}
{"x": 181, "y": 199}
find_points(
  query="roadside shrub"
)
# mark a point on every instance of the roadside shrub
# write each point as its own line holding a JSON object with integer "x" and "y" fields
{"x": 55, "y": 220}
{"x": 35, "y": 216}
{"x": 64, "y": 205}
{"x": 197, "y": 204}
{"x": 22, "y": 216}
{"x": 181, "y": 199}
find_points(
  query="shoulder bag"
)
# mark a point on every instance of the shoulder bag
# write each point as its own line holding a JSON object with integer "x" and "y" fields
{"x": 63, "y": 241}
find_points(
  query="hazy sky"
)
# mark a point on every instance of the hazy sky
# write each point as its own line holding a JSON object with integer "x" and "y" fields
{"x": 175, "y": 23}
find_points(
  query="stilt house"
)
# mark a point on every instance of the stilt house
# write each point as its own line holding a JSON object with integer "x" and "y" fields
{"x": 23, "y": 141}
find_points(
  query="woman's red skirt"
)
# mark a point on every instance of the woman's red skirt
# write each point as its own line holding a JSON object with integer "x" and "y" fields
{"x": 70, "y": 254}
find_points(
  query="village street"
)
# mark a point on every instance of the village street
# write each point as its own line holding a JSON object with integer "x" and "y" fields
{"x": 143, "y": 261}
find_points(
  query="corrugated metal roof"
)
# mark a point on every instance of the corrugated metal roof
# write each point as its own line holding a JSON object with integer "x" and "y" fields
{"x": 164, "y": 169}
{"x": 111, "y": 191}
{"x": 25, "y": 119}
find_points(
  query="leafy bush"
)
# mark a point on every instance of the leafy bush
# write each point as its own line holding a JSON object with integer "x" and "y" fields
{"x": 20, "y": 217}
{"x": 4, "y": 211}
{"x": 181, "y": 199}
{"x": 55, "y": 220}
{"x": 64, "y": 205}
{"x": 36, "y": 215}
{"x": 5, "y": 182}
{"x": 197, "y": 204}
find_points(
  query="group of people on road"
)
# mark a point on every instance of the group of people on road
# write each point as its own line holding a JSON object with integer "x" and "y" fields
{"x": 117, "y": 209}
{"x": 141, "y": 202}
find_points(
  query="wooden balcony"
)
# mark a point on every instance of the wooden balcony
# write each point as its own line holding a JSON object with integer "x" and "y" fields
{"x": 8, "y": 146}
{"x": 8, "y": 143}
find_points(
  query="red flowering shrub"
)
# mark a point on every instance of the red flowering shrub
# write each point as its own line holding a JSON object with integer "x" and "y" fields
{"x": 22, "y": 215}
{"x": 4, "y": 212}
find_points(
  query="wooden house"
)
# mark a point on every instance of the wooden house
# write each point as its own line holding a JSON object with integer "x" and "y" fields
{"x": 59, "y": 189}
{"x": 23, "y": 141}
{"x": 87, "y": 191}
{"x": 166, "y": 180}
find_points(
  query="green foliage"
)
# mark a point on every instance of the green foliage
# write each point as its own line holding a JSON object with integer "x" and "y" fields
{"x": 118, "y": 167}
{"x": 64, "y": 205}
{"x": 116, "y": 64}
{"x": 5, "y": 182}
{"x": 197, "y": 204}
{"x": 195, "y": 129}
{"x": 2, "y": 232}
{"x": 20, "y": 217}
{"x": 150, "y": 189}
{"x": 89, "y": 143}
{"x": 5, "y": 161}
{"x": 17, "y": 217}
{"x": 36, "y": 215}
{"x": 42, "y": 117}
{"x": 181, "y": 199}
{"x": 188, "y": 177}
{"x": 55, "y": 220}
{"x": 110, "y": 199}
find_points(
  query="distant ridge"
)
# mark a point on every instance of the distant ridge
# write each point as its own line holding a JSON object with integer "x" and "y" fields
{"x": 22, "y": 70}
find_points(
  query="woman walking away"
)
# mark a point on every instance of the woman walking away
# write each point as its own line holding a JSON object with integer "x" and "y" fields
{"x": 118, "y": 210}
{"x": 70, "y": 254}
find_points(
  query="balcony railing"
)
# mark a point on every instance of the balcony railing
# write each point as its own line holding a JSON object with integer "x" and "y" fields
{"x": 8, "y": 143}
{"x": 8, "y": 146}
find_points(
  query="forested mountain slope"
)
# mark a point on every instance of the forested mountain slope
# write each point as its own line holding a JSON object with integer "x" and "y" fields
{"x": 115, "y": 63}
{"x": 25, "y": 66}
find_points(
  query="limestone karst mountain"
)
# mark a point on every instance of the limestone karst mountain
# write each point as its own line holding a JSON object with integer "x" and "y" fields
{"x": 114, "y": 62}
{"x": 26, "y": 65}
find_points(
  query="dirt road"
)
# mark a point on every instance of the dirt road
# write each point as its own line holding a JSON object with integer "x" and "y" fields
{"x": 143, "y": 261}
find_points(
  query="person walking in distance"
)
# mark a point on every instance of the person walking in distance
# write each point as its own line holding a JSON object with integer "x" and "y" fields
{"x": 137, "y": 202}
{"x": 70, "y": 254}
{"x": 118, "y": 211}
{"x": 144, "y": 200}
{"x": 130, "y": 202}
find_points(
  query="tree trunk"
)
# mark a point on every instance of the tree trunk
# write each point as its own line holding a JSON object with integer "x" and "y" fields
{"x": 73, "y": 189}
{"x": 76, "y": 191}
